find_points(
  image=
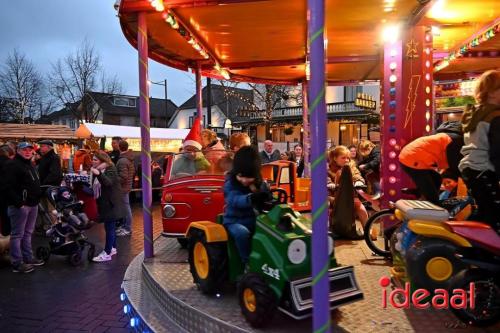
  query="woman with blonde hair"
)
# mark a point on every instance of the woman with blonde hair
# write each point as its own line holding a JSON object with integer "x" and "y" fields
{"x": 340, "y": 163}
{"x": 107, "y": 192}
{"x": 238, "y": 140}
{"x": 480, "y": 166}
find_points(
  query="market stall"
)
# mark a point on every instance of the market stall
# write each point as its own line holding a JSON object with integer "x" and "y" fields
{"x": 162, "y": 139}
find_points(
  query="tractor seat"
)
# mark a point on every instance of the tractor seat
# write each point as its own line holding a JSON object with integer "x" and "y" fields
{"x": 478, "y": 233}
{"x": 422, "y": 210}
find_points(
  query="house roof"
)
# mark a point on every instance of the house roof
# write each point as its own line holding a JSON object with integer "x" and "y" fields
{"x": 35, "y": 132}
{"x": 220, "y": 99}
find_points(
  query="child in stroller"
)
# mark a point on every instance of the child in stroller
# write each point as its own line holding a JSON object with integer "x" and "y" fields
{"x": 67, "y": 236}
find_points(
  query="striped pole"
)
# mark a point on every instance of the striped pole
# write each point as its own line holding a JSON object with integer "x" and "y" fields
{"x": 199, "y": 94}
{"x": 142, "y": 46}
{"x": 306, "y": 144}
{"x": 317, "y": 109}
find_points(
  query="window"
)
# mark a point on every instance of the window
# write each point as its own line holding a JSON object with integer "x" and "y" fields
{"x": 192, "y": 118}
{"x": 124, "y": 101}
{"x": 350, "y": 93}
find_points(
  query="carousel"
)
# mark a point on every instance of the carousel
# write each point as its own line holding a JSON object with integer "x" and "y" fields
{"x": 406, "y": 45}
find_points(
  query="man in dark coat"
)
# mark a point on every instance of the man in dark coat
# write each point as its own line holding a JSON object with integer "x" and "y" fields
{"x": 126, "y": 173}
{"x": 115, "y": 154}
{"x": 49, "y": 166}
{"x": 268, "y": 155}
{"x": 22, "y": 196}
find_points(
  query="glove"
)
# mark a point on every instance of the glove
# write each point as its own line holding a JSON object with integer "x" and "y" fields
{"x": 359, "y": 184}
{"x": 330, "y": 186}
{"x": 258, "y": 198}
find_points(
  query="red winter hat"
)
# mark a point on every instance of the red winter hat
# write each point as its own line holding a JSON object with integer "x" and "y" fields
{"x": 194, "y": 136}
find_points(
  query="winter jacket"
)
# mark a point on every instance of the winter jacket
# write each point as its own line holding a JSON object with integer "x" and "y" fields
{"x": 184, "y": 164}
{"x": 214, "y": 152}
{"x": 481, "y": 149}
{"x": 82, "y": 157}
{"x": 49, "y": 169}
{"x": 300, "y": 165}
{"x": 109, "y": 203}
{"x": 238, "y": 207}
{"x": 372, "y": 161}
{"x": 335, "y": 171}
{"x": 3, "y": 162}
{"x": 22, "y": 183}
{"x": 437, "y": 151}
{"x": 126, "y": 170}
{"x": 275, "y": 156}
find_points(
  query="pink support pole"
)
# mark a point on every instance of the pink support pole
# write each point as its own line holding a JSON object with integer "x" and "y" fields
{"x": 142, "y": 46}
{"x": 199, "y": 94}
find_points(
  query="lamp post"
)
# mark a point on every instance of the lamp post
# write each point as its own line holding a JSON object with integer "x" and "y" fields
{"x": 164, "y": 84}
{"x": 228, "y": 125}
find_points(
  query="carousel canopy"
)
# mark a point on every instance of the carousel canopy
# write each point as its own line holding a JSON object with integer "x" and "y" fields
{"x": 89, "y": 130}
{"x": 265, "y": 40}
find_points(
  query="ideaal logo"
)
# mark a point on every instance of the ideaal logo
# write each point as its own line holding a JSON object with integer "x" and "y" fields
{"x": 441, "y": 299}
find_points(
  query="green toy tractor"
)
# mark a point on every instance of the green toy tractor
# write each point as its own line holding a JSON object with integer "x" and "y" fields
{"x": 278, "y": 274}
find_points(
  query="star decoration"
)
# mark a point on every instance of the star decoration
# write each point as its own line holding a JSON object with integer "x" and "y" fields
{"x": 411, "y": 49}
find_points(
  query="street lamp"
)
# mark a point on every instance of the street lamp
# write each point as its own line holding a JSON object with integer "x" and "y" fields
{"x": 164, "y": 84}
{"x": 228, "y": 125}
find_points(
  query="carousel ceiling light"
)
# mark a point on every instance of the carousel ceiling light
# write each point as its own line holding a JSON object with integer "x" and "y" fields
{"x": 435, "y": 30}
{"x": 390, "y": 33}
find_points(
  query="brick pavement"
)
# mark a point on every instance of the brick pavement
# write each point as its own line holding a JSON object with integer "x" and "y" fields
{"x": 60, "y": 298}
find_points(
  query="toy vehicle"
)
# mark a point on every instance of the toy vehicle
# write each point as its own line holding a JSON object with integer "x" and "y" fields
{"x": 200, "y": 197}
{"x": 278, "y": 275}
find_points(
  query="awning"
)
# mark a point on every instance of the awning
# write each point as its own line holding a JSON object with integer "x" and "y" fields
{"x": 35, "y": 132}
{"x": 88, "y": 130}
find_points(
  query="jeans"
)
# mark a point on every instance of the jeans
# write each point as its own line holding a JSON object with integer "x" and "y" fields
{"x": 127, "y": 220}
{"x": 484, "y": 188}
{"x": 110, "y": 228}
{"x": 22, "y": 222}
{"x": 427, "y": 181}
{"x": 242, "y": 236}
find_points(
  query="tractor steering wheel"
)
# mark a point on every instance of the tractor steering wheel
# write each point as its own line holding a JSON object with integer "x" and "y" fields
{"x": 279, "y": 196}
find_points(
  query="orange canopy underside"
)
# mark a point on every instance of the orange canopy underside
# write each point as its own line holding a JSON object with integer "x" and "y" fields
{"x": 266, "y": 40}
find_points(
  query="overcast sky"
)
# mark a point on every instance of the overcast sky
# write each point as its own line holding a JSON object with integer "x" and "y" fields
{"x": 48, "y": 30}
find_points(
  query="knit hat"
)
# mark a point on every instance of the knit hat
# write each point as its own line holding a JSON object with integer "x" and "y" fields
{"x": 194, "y": 136}
{"x": 247, "y": 162}
{"x": 46, "y": 142}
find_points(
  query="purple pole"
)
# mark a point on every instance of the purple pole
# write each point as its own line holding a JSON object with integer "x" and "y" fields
{"x": 199, "y": 95}
{"x": 142, "y": 46}
{"x": 305, "y": 135}
{"x": 317, "y": 109}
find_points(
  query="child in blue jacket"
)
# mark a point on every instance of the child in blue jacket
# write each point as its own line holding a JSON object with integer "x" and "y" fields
{"x": 244, "y": 190}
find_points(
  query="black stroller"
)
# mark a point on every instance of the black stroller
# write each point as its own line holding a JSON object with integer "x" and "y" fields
{"x": 67, "y": 235}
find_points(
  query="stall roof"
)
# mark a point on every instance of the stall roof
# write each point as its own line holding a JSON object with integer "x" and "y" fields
{"x": 35, "y": 132}
{"x": 88, "y": 130}
{"x": 265, "y": 41}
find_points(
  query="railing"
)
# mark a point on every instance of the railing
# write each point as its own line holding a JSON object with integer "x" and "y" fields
{"x": 296, "y": 111}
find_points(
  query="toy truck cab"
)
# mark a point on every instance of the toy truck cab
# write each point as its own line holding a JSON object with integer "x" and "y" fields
{"x": 278, "y": 274}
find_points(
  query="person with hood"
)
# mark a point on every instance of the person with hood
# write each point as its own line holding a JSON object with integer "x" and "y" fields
{"x": 126, "y": 172}
{"x": 244, "y": 190}
{"x": 49, "y": 165}
{"x": 480, "y": 165}
{"x": 106, "y": 187}
{"x": 424, "y": 157}
{"x": 22, "y": 194}
{"x": 82, "y": 159}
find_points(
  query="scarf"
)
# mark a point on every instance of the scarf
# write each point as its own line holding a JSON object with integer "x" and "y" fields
{"x": 96, "y": 185}
{"x": 473, "y": 115}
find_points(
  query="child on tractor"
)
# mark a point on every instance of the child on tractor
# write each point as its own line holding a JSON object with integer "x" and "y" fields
{"x": 244, "y": 190}
{"x": 480, "y": 166}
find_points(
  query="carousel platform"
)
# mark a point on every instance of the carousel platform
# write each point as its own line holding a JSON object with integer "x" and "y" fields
{"x": 159, "y": 296}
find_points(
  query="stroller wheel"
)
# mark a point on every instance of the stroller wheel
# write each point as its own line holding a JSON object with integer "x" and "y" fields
{"x": 91, "y": 252}
{"x": 76, "y": 258}
{"x": 43, "y": 253}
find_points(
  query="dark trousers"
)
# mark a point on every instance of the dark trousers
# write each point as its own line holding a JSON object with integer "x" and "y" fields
{"x": 484, "y": 188}
{"x": 110, "y": 228}
{"x": 22, "y": 221}
{"x": 427, "y": 181}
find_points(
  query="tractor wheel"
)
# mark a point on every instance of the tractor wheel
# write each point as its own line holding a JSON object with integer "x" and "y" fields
{"x": 431, "y": 263}
{"x": 487, "y": 297}
{"x": 91, "y": 252}
{"x": 257, "y": 301}
{"x": 207, "y": 262}
{"x": 76, "y": 258}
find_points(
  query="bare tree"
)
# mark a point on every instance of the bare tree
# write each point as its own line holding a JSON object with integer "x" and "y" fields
{"x": 20, "y": 89}
{"x": 75, "y": 76}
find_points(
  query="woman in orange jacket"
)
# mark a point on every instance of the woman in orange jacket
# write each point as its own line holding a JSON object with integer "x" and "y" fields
{"x": 422, "y": 159}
